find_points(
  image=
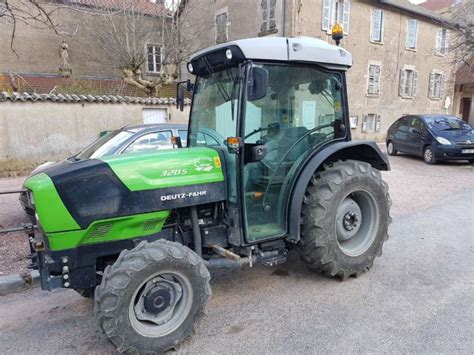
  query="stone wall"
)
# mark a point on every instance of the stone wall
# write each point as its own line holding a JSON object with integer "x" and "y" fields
{"x": 33, "y": 132}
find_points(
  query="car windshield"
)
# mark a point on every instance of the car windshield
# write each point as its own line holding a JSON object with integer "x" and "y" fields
{"x": 445, "y": 123}
{"x": 105, "y": 145}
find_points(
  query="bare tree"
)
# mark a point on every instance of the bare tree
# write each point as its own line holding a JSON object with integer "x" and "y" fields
{"x": 30, "y": 12}
{"x": 121, "y": 36}
{"x": 461, "y": 26}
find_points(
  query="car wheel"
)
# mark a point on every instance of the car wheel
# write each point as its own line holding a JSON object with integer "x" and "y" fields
{"x": 428, "y": 155}
{"x": 391, "y": 149}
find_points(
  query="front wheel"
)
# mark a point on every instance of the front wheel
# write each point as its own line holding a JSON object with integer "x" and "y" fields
{"x": 428, "y": 155}
{"x": 391, "y": 149}
{"x": 151, "y": 298}
{"x": 345, "y": 218}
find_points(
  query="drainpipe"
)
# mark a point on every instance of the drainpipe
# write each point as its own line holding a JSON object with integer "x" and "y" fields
{"x": 283, "y": 17}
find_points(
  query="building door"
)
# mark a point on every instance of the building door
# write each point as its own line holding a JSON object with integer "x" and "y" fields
{"x": 154, "y": 115}
{"x": 465, "y": 108}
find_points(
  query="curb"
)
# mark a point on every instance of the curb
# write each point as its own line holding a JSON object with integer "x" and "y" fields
{"x": 17, "y": 283}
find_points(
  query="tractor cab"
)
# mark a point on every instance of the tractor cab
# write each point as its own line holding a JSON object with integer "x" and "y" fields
{"x": 273, "y": 102}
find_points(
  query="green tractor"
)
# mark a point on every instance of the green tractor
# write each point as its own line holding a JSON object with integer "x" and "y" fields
{"x": 268, "y": 166}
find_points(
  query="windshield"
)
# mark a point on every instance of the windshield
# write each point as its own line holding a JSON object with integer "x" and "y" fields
{"x": 105, "y": 145}
{"x": 214, "y": 113}
{"x": 445, "y": 123}
{"x": 214, "y": 100}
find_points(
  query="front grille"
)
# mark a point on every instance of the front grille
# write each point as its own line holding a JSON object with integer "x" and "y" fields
{"x": 464, "y": 143}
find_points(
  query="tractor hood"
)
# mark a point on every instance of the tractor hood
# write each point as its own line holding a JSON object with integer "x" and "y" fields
{"x": 72, "y": 196}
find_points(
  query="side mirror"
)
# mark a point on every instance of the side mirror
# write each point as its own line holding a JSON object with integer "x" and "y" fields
{"x": 257, "y": 84}
{"x": 416, "y": 131}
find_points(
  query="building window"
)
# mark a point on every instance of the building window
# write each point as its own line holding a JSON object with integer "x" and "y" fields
{"x": 371, "y": 123}
{"x": 268, "y": 16}
{"x": 373, "y": 84}
{"x": 376, "y": 30}
{"x": 221, "y": 27}
{"x": 436, "y": 86}
{"x": 412, "y": 29}
{"x": 153, "y": 63}
{"x": 336, "y": 11}
{"x": 408, "y": 83}
{"x": 442, "y": 41}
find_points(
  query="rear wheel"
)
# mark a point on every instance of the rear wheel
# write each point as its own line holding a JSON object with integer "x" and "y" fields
{"x": 428, "y": 155}
{"x": 345, "y": 219}
{"x": 391, "y": 149}
{"x": 151, "y": 298}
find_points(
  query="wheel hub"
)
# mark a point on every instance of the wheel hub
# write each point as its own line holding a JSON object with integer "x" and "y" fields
{"x": 158, "y": 300}
{"x": 351, "y": 220}
{"x": 348, "y": 219}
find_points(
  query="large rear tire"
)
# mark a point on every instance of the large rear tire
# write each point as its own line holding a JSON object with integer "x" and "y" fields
{"x": 345, "y": 218}
{"x": 151, "y": 298}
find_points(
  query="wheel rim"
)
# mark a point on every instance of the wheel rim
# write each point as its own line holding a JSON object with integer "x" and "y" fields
{"x": 357, "y": 220}
{"x": 428, "y": 155}
{"x": 161, "y": 304}
{"x": 390, "y": 148}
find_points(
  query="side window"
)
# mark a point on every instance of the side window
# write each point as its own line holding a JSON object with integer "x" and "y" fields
{"x": 184, "y": 137}
{"x": 150, "y": 142}
{"x": 403, "y": 126}
{"x": 415, "y": 124}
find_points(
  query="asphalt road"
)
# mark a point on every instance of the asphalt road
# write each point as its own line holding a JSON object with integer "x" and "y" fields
{"x": 418, "y": 298}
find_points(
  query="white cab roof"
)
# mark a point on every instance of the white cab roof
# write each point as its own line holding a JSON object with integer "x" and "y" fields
{"x": 299, "y": 49}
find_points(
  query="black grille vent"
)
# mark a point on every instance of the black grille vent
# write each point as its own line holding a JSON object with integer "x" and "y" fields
{"x": 101, "y": 230}
{"x": 150, "y": 224}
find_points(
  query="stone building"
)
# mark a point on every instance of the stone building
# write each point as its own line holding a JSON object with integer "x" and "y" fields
{"x": 56, "y": 87}
{"x": 401, "y": 64}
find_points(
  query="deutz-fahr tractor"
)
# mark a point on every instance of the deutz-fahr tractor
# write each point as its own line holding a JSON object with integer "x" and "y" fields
{"x": 268, "y": 166}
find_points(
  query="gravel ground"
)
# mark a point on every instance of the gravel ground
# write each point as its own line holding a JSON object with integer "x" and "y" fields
{"x": 13, "y": 246}
{"x": 418, "y": 298}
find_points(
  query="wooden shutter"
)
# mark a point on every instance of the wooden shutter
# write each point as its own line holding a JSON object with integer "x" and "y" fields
{"x": 264, "y": 9}
{"x": 370, "y": 84}
{"x": 271, "y": 15}
{"x": 431, "y": 85}
{"x": 376, "y": 31}
{"x": 441, "y": 86}
{"x": 446, "y": 42}
{"x": 346, "y": 14}
{"x": 377, "y": 123}
{"x": 377, "y": 79}
{"x": 414, "y": 83}
{"x": 411, "y": 34}
{"x": 403, "y": 78}
{"x": 364, "y": 123}
{"x": 325, "y": 22}
{"x": 439, "y": 35}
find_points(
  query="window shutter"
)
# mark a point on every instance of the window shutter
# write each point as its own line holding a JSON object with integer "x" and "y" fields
{"x": 403, "y": 78}
{"x": 364, "y": 123}
{"x": 441, "y": 87}
{"x": 264, "y": 8}
{"x": 370, "y": 83}
{"x": 446, "y": 43}
{"x": 376, "y": 33}
{"x": 346, "y": 12}
{"x": 377, "y": 79}
{"x": 411, "y": 34}
{"x": 271, "y": 16}
{"x": 431, "y": 85}
{"x": 325, "y": 23}
{"x": 439, "y": 34}
{"x": 377, "y": 124}
{"x": 414, "y": 84}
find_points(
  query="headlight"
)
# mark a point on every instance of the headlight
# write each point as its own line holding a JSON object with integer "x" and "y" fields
{"x": 443, "y": 141}
{"x": 228, "y": 54}
{"x": 190, "y": 67}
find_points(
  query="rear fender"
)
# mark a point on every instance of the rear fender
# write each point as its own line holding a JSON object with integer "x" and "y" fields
{"x": 354, "y": 150}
